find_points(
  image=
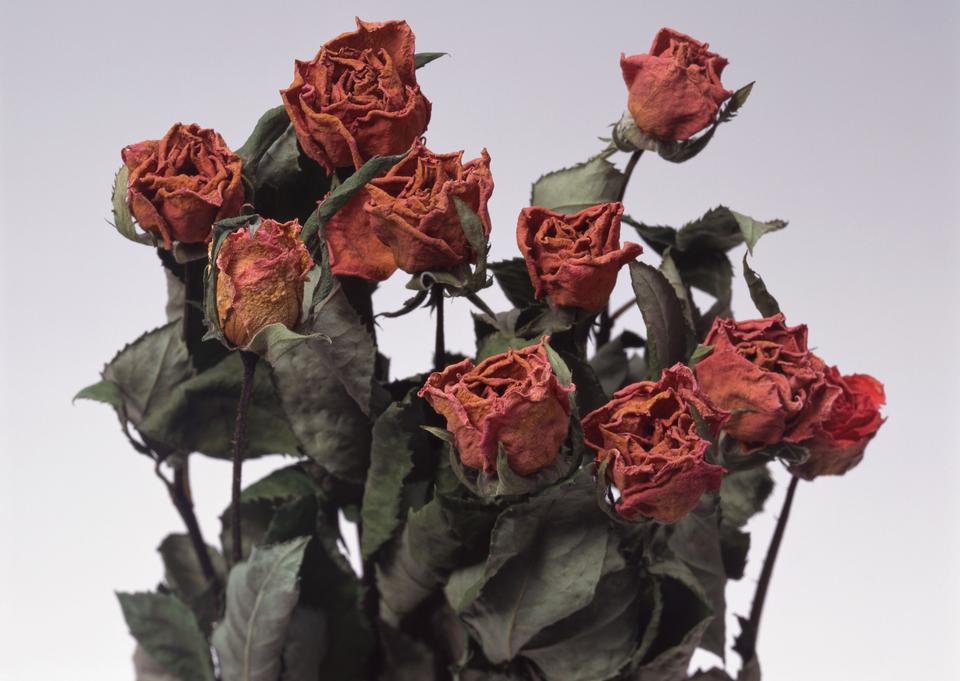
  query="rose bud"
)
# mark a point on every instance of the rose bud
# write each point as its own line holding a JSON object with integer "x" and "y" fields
{"x": 180, "y": 185}
{"x": 359, "y": 97}
{"x": 675, "y": 90}
{"x": 762, "y": 371}
{"x": 407, "y": 218}
{"x": 574, "y": 259}
{"x": 648, "y": 436}
{"x": 260, "y": 279}
{"x": 839, "y": 442}
{"x": 513, "y": 399}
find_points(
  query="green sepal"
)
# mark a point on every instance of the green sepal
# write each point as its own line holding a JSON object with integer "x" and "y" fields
{"x": 764, "y": 301}
{"x": 421, "y": 59}
{"x": 678, "y": 152}
{"x": 122, "y": 219}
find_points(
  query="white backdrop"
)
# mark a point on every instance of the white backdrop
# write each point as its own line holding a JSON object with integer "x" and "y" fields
{"x": 851, "y": 134}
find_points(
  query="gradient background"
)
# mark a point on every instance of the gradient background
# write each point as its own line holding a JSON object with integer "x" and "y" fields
{"x": 851, "y": 134}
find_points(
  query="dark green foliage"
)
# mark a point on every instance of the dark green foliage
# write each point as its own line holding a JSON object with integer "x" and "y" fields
{"x": 669, "y": 336}
{"x": 762, "y": 298}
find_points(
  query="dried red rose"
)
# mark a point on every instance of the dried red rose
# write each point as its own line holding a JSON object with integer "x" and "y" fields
{"x": 407, "y": 218}
{"x": 649, "y": 438}
{"x": 359, "y": 97}
{"x": 763, "y": 372}
{"x": 260, "y": 279}
{"x": 180, "y": 185}
{"x": 574, "y": 259}
{"x": 675, "y": 90}
{"x": 839, "y": 442}
{"x": 513, "y": 399}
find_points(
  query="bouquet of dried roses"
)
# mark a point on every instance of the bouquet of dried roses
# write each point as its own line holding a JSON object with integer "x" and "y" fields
{"x": 565, "y": 504}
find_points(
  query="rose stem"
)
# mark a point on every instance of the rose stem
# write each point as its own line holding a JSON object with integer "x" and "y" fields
{"x": 607, "y": 319}
{"x": 439, "y": 351}
{"x": 179, "y": 491}
{"x": 767, "y": 572}
{"x": 239, "y": 445}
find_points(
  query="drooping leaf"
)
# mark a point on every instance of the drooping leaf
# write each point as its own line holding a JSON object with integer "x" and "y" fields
{"x": 719, "y": 229}
{"x": 762, "y": 298}
{"x": 305, "y": 645}
{"x": 514, "y": 279}
{"x": 421, "y": 59}
{"x": 184, "y": 577}
{"x": 473, "y": 230}
{"x": 261, "y": 595}
{"x": 122, "y": 219}
{"x": 281, "y": 484}
{"x": 668, "y": 335}
{"x": 198, "y": 415}
{"x": 396, "y": 436}
{"x": 586, "y": 184}
{"x": 325, "y": 388}
{"x": 168, "y": 632}
{"x": 544, "y": 564}
{"x": 271, "y": 126}
{"x": 742, "y": 495}
{"x": 695, "y": 540}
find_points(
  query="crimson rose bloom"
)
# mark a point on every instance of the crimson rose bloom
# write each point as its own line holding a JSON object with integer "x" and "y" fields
{"x": 648, "y": 435}
{"x": 260, "y": 279}
{"x": 574, "y": 259}
{"x": 180, "y": 185}
{"x": 359, "y": 97}
{"x": 762, "y": 371}
{"x": 675, "y": 90}
{"x": 407, "y": 218}
{"x": 855, "y": 418}
{"x": 513, "y": 399}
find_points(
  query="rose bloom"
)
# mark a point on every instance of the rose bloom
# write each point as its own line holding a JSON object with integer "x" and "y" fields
{"x": 675, "y": 90}
{"x": 260, "y": 279}
{"x": 513, "y": 399}
{"x": 359, "y": 97}
{"x": 840, "y": 441}
{"x": 763, "y": 372}
{"x": 407, "y": 218}
{"x": 180, "y": 185}
{"x": 574, "y": 259}
{"x": 654, "y": 451}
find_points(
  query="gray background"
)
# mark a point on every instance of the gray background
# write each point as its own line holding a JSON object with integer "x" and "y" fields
{"x": 851, "y": 133}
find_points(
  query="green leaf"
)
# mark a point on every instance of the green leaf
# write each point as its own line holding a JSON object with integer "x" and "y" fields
{"x": 421, "y": 59}
{"x": 754, "y": 229}
{"x": 271, "y": 126}
{"x": 305, "y": 645}
{"x": 169, "y": 633}
{"x": 544, "y": 564}
{"x": 273, "y": 340}
{"x": 325, "y": 388}
{"x": 610, "y": 363}
{"x": 261, "y": 595}
{"x": 122, "y": 219}
{"x": 145, "y": 668}
{"x": 596, "y": 642}
{"x": 743, "y": 494}
{"x": 281, "y": 484}
{"x": 571, "y": 190}
{"x": 514, "y": 279}
{"x": 695, "y": 539}
{"x": 473, "y": 230}
{"x": 719, "y": 229}
{"x": 184, "y": 577}
{"x": 669, "y": 269}
{"x": 198, "y": 415}
{"x": 678, "y": 152}
{"x": 396, "y": 436}
{"x": 762, "y": 299}
{"x": 102, "y": 391}
{"x": 339, "y": 197}
{"x": 668, "y": 334}
{"x": 700, "y": 352}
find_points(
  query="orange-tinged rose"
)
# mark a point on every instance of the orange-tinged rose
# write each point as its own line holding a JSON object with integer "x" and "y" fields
{"x": 654, "y": 451}
{"x": 574, "y": 259}
{"x": 513, "y": 399}
{"x": 675, "y": 90}
{"x": 762, "y": 371}
{"x": 854, "y": 419}
{"x": 407, "y": 219}
{"x": 180, "y": 185}
{"x": 260, "y": 279}
{"x": 359, "y": 97}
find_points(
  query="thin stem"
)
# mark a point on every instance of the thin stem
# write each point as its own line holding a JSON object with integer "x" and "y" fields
{"x": 183, "y": 500}
{"x": 239, "y": 446}
{"x": 767, "y": 572}
{"x": 627, "y": 172}
{"x": 439, "y": 351}
{"x": 622, "y": 310}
